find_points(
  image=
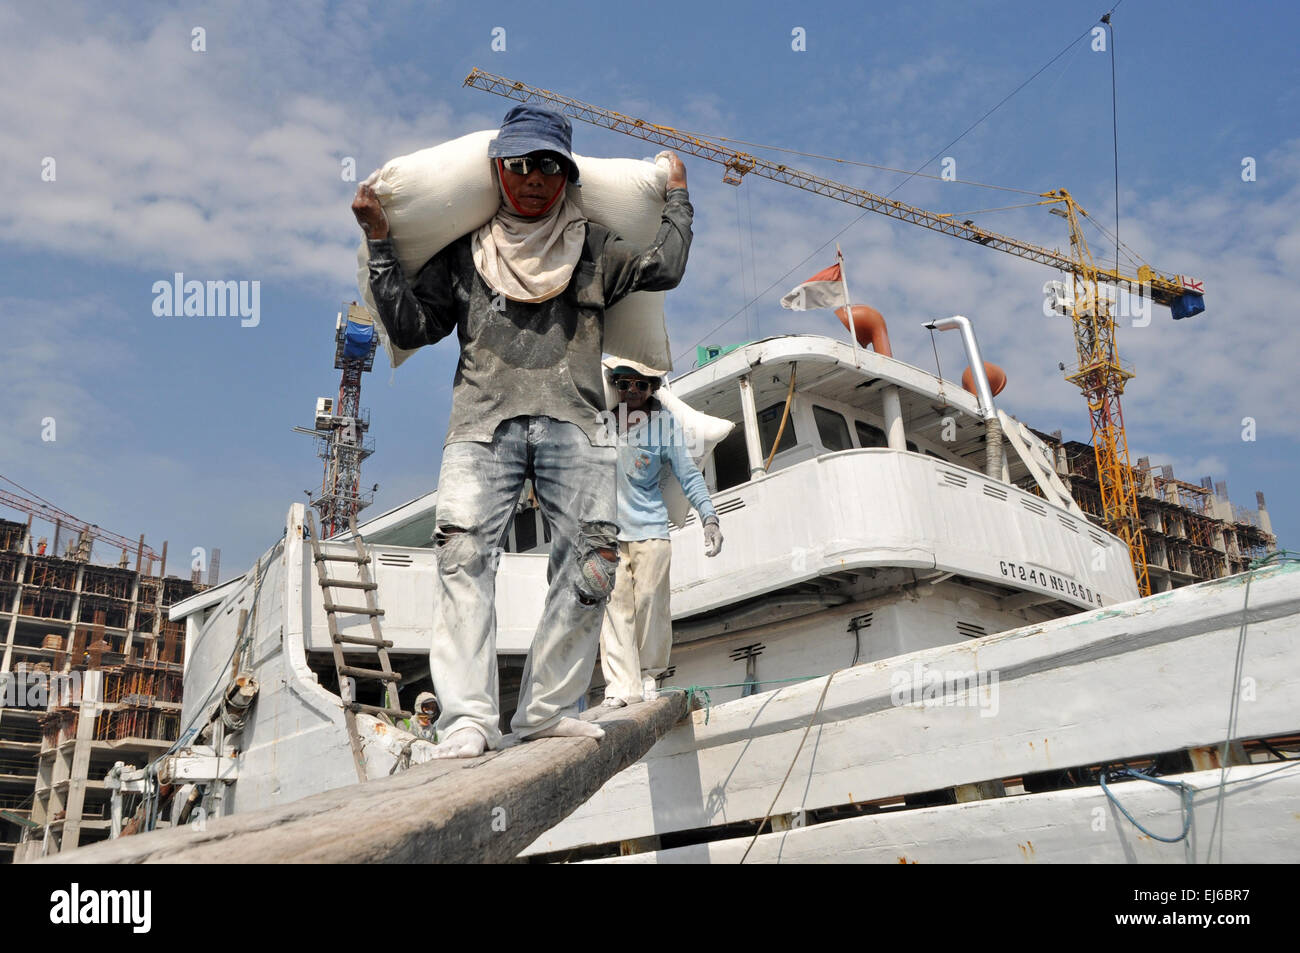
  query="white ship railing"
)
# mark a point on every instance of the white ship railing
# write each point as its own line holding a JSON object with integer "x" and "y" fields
{"x": 860, "y": 509}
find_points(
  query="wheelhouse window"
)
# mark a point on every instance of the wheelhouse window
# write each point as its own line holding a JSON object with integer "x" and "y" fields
{"x": 832, "y": 429}
{"x": 869, "y": 436}
{"x": 769, "y": 422}
{"x": 731, "y": 460}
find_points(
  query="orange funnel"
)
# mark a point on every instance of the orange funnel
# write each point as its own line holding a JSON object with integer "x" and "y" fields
{"x": 996, "y": 375}
{"x": 871, "y": 327}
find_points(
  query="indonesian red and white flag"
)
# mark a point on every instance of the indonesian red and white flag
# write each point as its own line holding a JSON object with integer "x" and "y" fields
{"x": 823, "y": 290}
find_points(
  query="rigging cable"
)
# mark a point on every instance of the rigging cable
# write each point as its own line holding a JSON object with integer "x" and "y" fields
{"x": 753, "y": 263}
{"x": 1280, "y": 555}
{"x": 816, "y": 711}
{"x": 1000, "y": 208}
{"x": 740, "y": 251}
{"x": 30, "y": 493}
{"x": 1114, "y": 129}
{"x": 938, "y": 370}
{"x": 1134, "y": 258}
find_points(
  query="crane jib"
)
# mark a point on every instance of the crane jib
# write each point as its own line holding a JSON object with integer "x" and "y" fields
{"x": 1183, "y": 295}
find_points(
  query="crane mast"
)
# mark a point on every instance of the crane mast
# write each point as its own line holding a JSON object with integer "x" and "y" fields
{"x": 1099, "y": 373}
{"x": 1101, "y": 377}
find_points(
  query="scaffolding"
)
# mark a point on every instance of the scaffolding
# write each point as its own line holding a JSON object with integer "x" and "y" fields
{"x": 138, "y": 721}
{"x": 110, "y": 662}
{"x": 12, "y": 534}
{"x": 59, "y": 725}
{"x": 1193, "y": 532}
{"x": 142, "y": 680}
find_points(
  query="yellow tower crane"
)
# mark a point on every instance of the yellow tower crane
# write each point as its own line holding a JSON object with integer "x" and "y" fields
{"x": 1099, "y": 373}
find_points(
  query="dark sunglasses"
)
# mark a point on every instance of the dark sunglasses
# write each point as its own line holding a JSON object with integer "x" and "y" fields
{"x": 624, "y": 384}
{"x": 522, "y": 165}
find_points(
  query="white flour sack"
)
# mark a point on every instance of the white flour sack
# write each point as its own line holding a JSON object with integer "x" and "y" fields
{"x": 434, "y": 196}
{"x": 702, "y": 433}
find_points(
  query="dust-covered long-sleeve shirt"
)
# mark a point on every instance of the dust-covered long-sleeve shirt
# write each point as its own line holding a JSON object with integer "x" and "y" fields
{"x": 521, "y": 359}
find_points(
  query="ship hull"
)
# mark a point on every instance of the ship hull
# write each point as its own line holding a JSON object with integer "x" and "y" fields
{"x": 1149, "y": 682}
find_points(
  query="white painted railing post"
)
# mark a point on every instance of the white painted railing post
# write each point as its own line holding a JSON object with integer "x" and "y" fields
{"x": 752, "y": 446}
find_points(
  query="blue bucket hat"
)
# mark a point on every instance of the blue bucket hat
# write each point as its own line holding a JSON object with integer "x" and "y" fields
{"x": 528, "y": 128}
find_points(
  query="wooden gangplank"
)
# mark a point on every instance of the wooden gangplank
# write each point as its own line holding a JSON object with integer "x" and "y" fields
{"x": 480, "y": 810}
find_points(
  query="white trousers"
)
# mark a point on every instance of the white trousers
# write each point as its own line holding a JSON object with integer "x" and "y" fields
{"x": 637, "y": 633}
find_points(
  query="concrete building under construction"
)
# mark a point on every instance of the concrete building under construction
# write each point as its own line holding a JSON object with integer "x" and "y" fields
{"x": 1192, "y": 531}
{"x": 90, "y": 675}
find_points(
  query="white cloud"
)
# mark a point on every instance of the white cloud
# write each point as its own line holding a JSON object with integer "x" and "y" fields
{"x": 169, "y": 159}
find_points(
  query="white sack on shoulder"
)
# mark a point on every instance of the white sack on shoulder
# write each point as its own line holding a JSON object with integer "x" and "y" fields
{"x": 434, "y": 196}
{"x": 703, "y": 433}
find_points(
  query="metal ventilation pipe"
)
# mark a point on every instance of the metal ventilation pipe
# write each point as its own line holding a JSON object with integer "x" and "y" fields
{"x": 983, "y": 393}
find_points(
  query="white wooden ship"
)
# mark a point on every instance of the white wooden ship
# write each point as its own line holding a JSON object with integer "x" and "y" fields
{"x": 985, "y": 647}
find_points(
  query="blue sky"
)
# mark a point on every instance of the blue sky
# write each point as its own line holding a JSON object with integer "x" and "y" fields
{"x": 225, "y": 165}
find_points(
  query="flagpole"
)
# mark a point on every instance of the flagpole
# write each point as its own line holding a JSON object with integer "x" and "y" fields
{"x": 848, "y": 306}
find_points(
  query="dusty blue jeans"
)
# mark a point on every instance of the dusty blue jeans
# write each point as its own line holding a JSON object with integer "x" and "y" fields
{"x": 478, "y": 489}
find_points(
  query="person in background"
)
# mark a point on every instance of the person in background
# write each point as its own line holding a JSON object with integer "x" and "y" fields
{"x": 421, "y": 721}
{"x": 637, "y": 634}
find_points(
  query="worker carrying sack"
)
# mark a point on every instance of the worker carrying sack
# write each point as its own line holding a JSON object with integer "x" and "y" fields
{"x": 435, "y": 196}
{"x": 701, "y": 432}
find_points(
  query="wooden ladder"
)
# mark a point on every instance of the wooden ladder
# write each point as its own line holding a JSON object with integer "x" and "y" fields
{"x": 384, "y": 673}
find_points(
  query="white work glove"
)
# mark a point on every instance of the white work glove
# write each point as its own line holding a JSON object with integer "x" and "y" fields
{"x": 712, "y": 537}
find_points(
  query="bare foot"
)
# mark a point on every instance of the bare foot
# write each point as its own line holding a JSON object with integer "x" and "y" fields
{"x": 568, "y": 728}
{"x": 464, "y": 743}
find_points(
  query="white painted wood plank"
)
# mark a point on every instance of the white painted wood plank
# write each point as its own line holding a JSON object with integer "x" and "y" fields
{"x": 1075, "y": 826}
{"x": 1133, "y": 680}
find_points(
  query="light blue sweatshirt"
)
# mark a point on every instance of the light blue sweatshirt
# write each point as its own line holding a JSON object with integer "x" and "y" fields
{"x": 650, "y": 446}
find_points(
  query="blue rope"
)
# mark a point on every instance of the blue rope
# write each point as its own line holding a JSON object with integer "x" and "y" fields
{"x": 1185, "y": 796}
{"x": 702, "y": 691}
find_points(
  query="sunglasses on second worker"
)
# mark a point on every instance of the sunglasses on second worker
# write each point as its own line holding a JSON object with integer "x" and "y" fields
{"x": 522, "y": 165}
{"x": 624, "y": 384}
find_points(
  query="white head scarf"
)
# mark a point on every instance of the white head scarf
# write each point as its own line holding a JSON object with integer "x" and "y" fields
{"x": 526, "y": 258}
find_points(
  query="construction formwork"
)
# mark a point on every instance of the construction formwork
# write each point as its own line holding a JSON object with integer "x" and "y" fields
{"x": 90, "y": 674}
{"x": 1193, "y": 532}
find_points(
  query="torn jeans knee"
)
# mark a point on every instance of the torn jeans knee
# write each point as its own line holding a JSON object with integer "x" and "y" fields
{"x": 598, "y": 560}
{"x": 458, "y": 549}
